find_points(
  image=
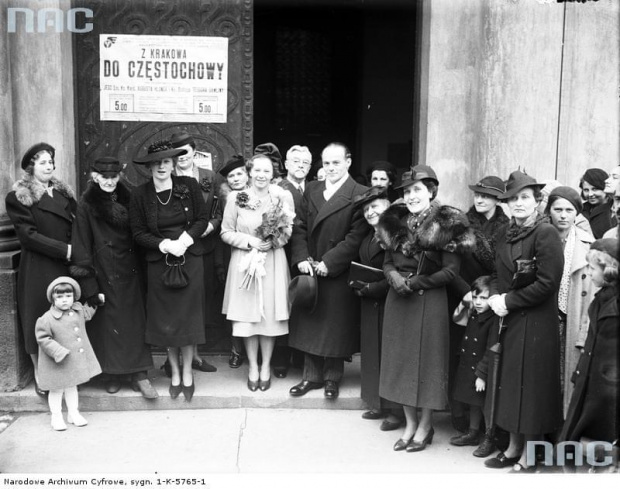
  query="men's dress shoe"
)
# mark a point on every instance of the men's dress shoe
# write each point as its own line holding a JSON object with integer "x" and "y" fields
{"x": 418, "y": 446}
{"x": 203, "y": 366}
{"x": 486, "y": 448}
{"x": 372, "y": 414}
{"x": 263, "y": 385}
{"x": 520, "y": 469}
{"x": 472, "y": 438}
{"x": 145, "y": 387}
{"x": 387, "y": 425}
{"x": 304, "y": 387}
{"x": 235, "y": 360}
{"x": 113, "y": 385}
{"x": 280, "y": 372}
{"x": 401, "y": 445}
{"x": 331, "y": 389}
{"x": 41, "y": 392}
{"x": 175, "y": 390}
{"x": 501, "y": 461}
{"x": 188, "y": 391}
{"x": 253, "y": 385}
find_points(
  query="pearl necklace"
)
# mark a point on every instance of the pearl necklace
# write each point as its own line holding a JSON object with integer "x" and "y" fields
{"x": 169, "y": 197}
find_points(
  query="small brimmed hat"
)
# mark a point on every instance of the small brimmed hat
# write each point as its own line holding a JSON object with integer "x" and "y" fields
{"x": 158, "y": 151}
{"x": 272, "y": 152}
{"x": 517, "y": 181}
{"x": 373, "y": 193}
{"x": 33, "y": 150}
{"x": 64, "y": 280}
{"x": 303, "y": 291}
{"x": 418, "y": 172}
{"x": 179, "y": 139}
{"x": 607, "y": 245}
{"x": 108, "y": 166}
{"x": 490, "y": 185}
{"x": 236, "y": 161}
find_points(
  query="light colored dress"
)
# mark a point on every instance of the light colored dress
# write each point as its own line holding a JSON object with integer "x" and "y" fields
{"x": 256, "y": 305}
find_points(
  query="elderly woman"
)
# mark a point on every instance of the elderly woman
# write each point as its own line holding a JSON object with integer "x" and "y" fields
{"x": 597, "y": 208}
{"x": 383, "y": 174}
{"x": 256, "y": 294}
{"x": 576, "y": 291}
{"x": 168, "y": 215}
{"x": 419, "y": 238}
{"x": 42, "y": 209}
{"x": 529, "y": 261}
{"x": 105, "y": 262}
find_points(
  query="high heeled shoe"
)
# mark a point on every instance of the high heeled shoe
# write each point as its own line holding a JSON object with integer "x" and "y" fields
{"x": 401, "y": 444}
{"x": 418, "y": 446}
{"x": 253, "y": 385}
{"x": 188, "y": 391}
{"x": 263, "y": 385}
{"x": 175, "y": 390}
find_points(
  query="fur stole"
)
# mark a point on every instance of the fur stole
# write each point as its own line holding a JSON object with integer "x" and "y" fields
{"x": 112, "y": 208}
{"x": 486, "y": 235}
{"x": 29, "y": 191}
{"x": 445, "y": 228}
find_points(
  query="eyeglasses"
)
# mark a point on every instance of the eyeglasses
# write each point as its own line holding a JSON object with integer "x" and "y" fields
{"x": 302, "y": 163}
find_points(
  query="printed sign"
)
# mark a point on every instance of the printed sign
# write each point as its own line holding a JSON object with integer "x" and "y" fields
{"x": 163, "y": 78}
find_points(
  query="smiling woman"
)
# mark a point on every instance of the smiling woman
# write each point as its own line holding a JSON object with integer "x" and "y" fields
{"x": 597, "y": 208}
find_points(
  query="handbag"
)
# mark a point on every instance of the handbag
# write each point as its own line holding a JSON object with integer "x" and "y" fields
{"x": 175, "y": 276}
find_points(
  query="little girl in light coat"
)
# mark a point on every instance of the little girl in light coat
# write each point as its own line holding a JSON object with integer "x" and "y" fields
{"x": 66, "y": 357}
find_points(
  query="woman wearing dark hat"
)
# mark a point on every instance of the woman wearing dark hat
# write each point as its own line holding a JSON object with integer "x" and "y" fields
{"x": 42, "y": 209}
{"x": 597, "y": 208}
{"x": 237, "y": 178}
{"x": 422, "y": 240}
{"x": 383, "y": 174}
{"x": 273, "y": 153}
{"x": 576, "y": 290}
{"x": 105, "y": 262}
{"x": 168, "y": 215}
{"x": 529, "y": 262}
{"x": 373, "y": 203}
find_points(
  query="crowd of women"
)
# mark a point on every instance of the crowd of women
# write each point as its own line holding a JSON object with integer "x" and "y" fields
{"x": 541, "y": 283}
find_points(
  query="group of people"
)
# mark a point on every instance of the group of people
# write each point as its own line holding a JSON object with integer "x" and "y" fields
{"x": 329, "y": 268}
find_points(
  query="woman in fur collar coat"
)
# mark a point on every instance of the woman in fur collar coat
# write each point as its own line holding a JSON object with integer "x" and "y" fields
{"x": 421, "y": 239}
{"x": 41, "y": 208}
{"x": 105, "y": 262}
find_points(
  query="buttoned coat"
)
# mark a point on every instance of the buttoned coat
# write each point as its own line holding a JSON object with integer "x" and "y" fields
{"x": 529, "y": 399}
{"x": 329, "y": 231}
{"x": 593, "y": 410}
{"x": 43, "y": 227}
{"x": 66, "y": 357}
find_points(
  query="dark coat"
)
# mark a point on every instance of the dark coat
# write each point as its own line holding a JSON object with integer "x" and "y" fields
{"x": 210, "y": 183}
{"x": 594, "y": 409}
{"x": 371, "y": 322}
{"x": 43, "y": 227}
{"x": 330, "y": 232}
{"x": 600, "y": 217}
{"x": 143, "y": 215}
{"x": 105, "y": 261}
{"x": 529, "y": 399}
{"x": 298, "y": 196}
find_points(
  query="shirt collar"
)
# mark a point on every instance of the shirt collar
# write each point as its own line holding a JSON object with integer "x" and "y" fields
{"x": 57, "y": 314}
{"x": 333, "y": 187}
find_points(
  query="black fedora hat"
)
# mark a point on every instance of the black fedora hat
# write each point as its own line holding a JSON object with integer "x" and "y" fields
{"x": 373, "y": 193}
{"x": 158, "y": 151}
{"x": 490, "y": 185}
{"x": 108, "y": 166}
{"x": 517, "y": 181}
{"x": 182, "y": 138}
{"x": 33, "y": 150}
{"x": 236, "y": 161}
{"x": 303, "y": 291}
{"x": 418, "y": 172}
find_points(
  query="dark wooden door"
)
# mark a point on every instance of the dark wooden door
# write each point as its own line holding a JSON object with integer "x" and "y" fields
{"x": 222, "y": 18}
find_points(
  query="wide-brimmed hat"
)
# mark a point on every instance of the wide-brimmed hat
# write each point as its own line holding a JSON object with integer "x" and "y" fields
{"x": 64, "y": 280}
{"x": 490, "y": 185}
{"x": 236, "y": 161}
{"x": 303, "y": 291}
{"x": 158, "y": 151}
{"x": 517, "y": 181}
{"x": 373, "y": 193}
{"x": 418, "y": 172}
{"x": 108, "y": 166}
{"x": 179, "y": 139}
{"x": 33, "y": 150}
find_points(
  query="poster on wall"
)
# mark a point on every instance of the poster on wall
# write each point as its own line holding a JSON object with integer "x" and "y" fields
{"x": 163, "y": 78}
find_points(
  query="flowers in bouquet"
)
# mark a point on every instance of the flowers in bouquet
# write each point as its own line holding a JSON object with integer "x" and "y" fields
{"x": 277, "y": 225}
{"x": 244, "y": 201}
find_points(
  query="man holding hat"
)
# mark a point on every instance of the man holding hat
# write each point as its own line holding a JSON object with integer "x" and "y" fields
{"x": 325, "y": 241}
{"x": 210, "y": 183}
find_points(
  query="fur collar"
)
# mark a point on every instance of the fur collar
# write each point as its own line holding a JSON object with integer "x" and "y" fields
{"x": 111, "y": 207}
{"x": 29, "y": 191}
{"x": 445, "y": 228}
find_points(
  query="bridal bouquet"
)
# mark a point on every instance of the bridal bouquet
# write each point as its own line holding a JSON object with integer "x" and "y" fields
{"x": 277, "y": 225}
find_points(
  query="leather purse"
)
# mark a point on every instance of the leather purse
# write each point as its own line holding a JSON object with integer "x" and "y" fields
{"x": 175, "y": 276}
